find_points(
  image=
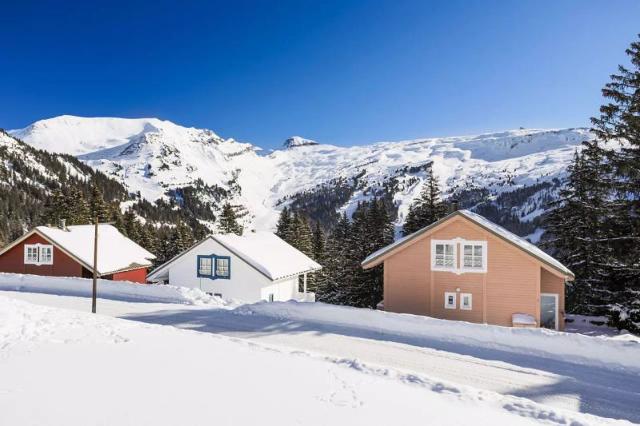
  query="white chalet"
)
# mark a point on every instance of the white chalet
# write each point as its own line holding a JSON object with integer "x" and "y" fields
{"x": 252, "y": 267}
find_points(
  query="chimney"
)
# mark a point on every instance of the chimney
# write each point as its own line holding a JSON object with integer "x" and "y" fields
{"x": 454, "y": 205}
{"x": 63, "y": 224}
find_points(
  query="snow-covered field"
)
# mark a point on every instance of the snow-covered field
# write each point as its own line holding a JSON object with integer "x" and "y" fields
{"x": 292, "y": 363}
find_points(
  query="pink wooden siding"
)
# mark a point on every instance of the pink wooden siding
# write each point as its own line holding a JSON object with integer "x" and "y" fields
{"x": 512, "y": 284}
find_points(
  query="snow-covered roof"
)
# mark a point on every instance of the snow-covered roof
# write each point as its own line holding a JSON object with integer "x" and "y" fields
{"x": 115, "y": 251}
{"x": 268, "y": 253}
{"x": 497, "y": 230}
{"x": 264, "y": 251}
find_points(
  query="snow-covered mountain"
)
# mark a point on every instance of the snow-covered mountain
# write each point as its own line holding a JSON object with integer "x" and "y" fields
{"x": 295, "y": 141}
{"x": 158, "y": 158}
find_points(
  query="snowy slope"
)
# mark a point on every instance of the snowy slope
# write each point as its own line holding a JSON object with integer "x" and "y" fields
{"x": 145, "y": 382}
{"x": 491, "y": 368}
{"x": 154, "y": 156}
{"x": 11, "y": 147}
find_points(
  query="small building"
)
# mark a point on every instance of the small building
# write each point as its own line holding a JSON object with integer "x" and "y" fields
{"x": 465, "y": 267}
{"x": 67, "y": 251}
{"x": 252, "y": 267}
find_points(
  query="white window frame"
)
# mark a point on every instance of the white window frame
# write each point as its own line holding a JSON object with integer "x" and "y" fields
{"x": 458, "y": 260}
{"x": 435, "y": 267}
{"x": 446, "y": 300}
{"x": 39, "y": 249}
{"x": 462, "y": 306}
{"x": 480, "y": 269}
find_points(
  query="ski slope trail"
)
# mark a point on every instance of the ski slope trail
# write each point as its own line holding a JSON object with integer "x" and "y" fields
{"x": 558, "y": 383}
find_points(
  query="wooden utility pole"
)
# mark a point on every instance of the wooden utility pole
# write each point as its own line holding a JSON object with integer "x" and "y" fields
{"x": 95, "y": 267}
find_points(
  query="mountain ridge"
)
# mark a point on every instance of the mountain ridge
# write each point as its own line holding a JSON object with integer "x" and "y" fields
{"x": 157, "y": 157}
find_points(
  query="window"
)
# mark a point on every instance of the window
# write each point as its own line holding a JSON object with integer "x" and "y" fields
{"x": 444, "y": 255}
{"x": 30, "y": 254}
{"x": 222, "y": 267}
{"x": 214, "y": 267}
{"x": 38, "y": 254}
{"x": 46, "y": 254}
{"x": 474, "y": 256}
{"x": 466, "y": 301}
{"x": 204, "y": 265}
{"x": 449, "y": 300}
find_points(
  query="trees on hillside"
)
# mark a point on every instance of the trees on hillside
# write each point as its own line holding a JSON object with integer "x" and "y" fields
{"x": 577, "y": 232}
{"x": 596, "y": 225}
{"x": 228, "y": 221}
{"x": 342, "y": 280}
{"x": 427, "y": 208}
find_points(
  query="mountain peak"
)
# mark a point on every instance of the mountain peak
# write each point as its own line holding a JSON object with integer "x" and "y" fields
{"x": 295, "y": 141}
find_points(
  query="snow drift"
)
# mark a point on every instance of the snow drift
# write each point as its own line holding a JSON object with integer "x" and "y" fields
{"x": 601, "y": 351}
{"x": 115, "y": 290}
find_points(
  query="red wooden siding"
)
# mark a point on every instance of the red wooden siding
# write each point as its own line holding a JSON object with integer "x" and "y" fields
{"x": 63, "y": 265}
{"x": 135, "y": 275}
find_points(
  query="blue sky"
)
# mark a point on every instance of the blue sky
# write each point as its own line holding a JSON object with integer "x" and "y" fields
{"x": 339, "y": 72}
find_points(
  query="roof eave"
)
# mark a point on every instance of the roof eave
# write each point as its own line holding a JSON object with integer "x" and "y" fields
{"x": 370, "y": 263}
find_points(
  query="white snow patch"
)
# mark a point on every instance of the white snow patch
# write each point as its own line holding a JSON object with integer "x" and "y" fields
{"x": 166, "y": 376}
{"x": 114, "y": 290}
{"x": 600, "y": 351}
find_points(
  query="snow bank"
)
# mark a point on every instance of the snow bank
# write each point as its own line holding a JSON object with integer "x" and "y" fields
{"x": 115, "y": 290}
{"x": 50, "y": 355}
{"x": 602, "y": 351}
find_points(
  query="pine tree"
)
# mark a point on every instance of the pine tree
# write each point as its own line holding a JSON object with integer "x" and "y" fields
{"x": 283, "y": 228}
{"x": 427, "y": 208}
{"x": 148, "y": 238}
{"x": 165, "y": 250}
{"x": 55, "y": 209}
{"x": 619, "y": 121}
{"x": 318, "y": 242}
{"x": 576, "y": 231}
{"x": 116, "y": 218}
{"x": 227, "y": 222}
{"x": 131, "y": 225}
{"x": 301, "y": 234}
{"x": 336, "y": 273}
{"x": 97, "y": 206}
{"x": 77, "y": 208}
{"x": 369, "y": 231}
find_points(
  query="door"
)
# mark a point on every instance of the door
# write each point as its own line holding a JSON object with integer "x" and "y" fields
{"x": 549, "y": 311}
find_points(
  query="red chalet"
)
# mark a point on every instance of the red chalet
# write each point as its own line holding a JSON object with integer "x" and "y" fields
{"x": 68, "y": 252}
